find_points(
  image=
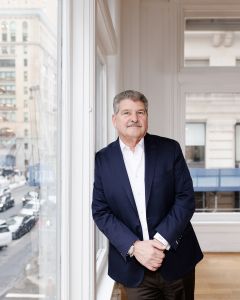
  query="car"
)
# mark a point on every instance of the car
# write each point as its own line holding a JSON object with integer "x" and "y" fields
{"x": 5, "y": 234}
{"x": 4, "y": 191}
{"x": 6, "y": 201}
{"x": 20, "y": 225}
{"x": 31, "y": 208}
{"x": 31, "y": 195}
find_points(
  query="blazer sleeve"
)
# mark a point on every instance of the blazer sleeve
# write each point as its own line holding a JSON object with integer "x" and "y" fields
{"x": 180, "y": 214}
{"x": 119, "y": 235}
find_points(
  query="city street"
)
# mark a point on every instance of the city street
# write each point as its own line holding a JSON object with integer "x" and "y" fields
{"x": 15, "y": 257}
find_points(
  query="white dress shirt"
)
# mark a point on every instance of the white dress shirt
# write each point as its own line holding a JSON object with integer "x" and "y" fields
{"x": 135, "y": 166}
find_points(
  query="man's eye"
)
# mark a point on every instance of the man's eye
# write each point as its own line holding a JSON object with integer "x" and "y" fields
{"x": 125, "y": 113}
{"x": 141, "y": 113}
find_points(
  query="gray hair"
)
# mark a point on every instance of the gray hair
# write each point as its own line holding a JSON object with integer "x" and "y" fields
{"x": 129, "y": 94}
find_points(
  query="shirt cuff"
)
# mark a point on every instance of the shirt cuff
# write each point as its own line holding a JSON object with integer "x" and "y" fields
{"x": 162, "y": 240}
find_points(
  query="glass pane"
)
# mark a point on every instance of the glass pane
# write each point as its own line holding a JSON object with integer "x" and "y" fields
{"x": 28, "y": 151}
{"x": 212, "y": 149}
{"x": 211, "y": 42}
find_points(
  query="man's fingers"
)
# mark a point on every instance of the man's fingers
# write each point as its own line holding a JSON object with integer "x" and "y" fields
{"x": 158, "y": 245}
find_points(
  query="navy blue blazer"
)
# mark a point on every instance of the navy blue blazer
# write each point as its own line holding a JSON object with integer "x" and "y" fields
{"x": 170, "y": 205}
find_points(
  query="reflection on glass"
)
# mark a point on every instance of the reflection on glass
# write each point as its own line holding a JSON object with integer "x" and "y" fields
{"x": 28, "y": 127}
{"x": 212, "y": 140}
{"x": 211, "y": 42}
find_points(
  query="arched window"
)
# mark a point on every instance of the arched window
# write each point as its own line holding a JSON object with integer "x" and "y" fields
{"x": 4, "y": 31}
{"x": 24, "y": 31}
{"x": 13, "y": 31}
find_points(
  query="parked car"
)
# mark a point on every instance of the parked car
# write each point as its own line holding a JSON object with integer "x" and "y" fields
{"x": 6, "y": 201}
{"x": 31, "y": 208}
{"x": 31, "y": 195}
{"x": 5, "y": 234}
{"x": 4, "y": 191}
{"x": 20, "y": 225}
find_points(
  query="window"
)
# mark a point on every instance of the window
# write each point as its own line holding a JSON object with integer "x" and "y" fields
{"x": 25, "y": 62}
{"x": 25, "y": 90}
{"x": 25, "y": 103}
{"x": 25, "y": 50}
{"x": 4, "y": 50}
{"x": 25, "y": 76}
{"x": 28, "y": 139}
{"x": 26, "y": 132}
{"x": 13, "y": 31}
{"x": 7, "y": 63}
{"x": 4, "y": 31}
{"x": 195, "y": 144}
{"x": 214, "y": 39}
{"x": 12, "y": 50}
{"x": 25, "y": 117}
{"x": 210, "y": 151}
{"x": 25, "y": 31}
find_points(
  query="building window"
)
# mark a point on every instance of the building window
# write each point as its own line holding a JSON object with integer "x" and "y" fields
{"x": 4, "y": 50}
{"x": 25, "y": 62}
{"x": 25, "y": 103}
{"x": 26, "y": 162}
{"x": 25, "y": 117}
{"x": 25, "y": 146}
{"x": 12, "y": 50}
{"x": 195, "y": 144}
{"x": 25, "y": 90}
{"x": 25, "y": 31}
{"x": 25, "y": 76}
{"x": 26, "y": 132}
{"x": 7, "y": 63}
{"x": 4, "y": 31}
{"x": 214, "y": 38}
{"x": 13, "y": 31}
{"x": 25, "y": 50}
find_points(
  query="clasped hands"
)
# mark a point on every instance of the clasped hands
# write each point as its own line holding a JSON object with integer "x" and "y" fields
{"x": 149, "y": 253}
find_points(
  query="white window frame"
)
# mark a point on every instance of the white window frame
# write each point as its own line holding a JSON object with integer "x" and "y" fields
{"x": 77, "y": 150}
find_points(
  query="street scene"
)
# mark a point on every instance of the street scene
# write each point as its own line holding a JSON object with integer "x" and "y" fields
{"x": 18, "y": 255}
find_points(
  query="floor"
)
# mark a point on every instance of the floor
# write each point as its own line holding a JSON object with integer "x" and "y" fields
{"x": 217, "y": 277}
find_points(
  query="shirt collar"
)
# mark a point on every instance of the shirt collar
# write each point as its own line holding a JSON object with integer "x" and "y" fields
{"x": 125, "y": 147}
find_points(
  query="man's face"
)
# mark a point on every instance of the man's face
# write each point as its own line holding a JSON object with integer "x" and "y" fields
{"x": 131, "y": 121}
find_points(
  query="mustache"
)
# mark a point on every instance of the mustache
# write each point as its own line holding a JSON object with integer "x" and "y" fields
{"x": 134, "y": 125}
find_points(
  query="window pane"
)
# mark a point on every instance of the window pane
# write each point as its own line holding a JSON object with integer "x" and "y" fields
{"x": 28, "y": 154}
{"x": 216, "y": 142}
{"x": 211, "y": 42}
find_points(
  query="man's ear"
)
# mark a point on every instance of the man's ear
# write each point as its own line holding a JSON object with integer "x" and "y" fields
{"x": 114, "y": 120}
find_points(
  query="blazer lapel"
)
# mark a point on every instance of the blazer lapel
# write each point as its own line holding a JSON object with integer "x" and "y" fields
{"x": 150, "y": 163}
{"x": 119, "y": 169}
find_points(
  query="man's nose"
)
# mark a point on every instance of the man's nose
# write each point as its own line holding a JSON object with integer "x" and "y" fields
{"x": 134, "y": 117}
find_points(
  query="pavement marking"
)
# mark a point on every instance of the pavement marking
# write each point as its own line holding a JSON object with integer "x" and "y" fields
{"x": 33, "y": 296}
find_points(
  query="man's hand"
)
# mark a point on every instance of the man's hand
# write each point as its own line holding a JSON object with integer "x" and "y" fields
{"x": 149, "y": 253}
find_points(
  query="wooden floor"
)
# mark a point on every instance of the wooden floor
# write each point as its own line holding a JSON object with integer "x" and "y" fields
{"x": 218, "y": 277}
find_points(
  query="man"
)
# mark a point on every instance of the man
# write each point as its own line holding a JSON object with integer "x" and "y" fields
{"x": 143, "y": 201}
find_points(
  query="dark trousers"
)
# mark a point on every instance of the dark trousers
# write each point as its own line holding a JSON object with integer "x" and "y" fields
{"x": 154, "y": 287}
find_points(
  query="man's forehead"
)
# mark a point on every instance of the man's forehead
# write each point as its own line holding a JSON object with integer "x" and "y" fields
{"x": 131, "y": 102}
